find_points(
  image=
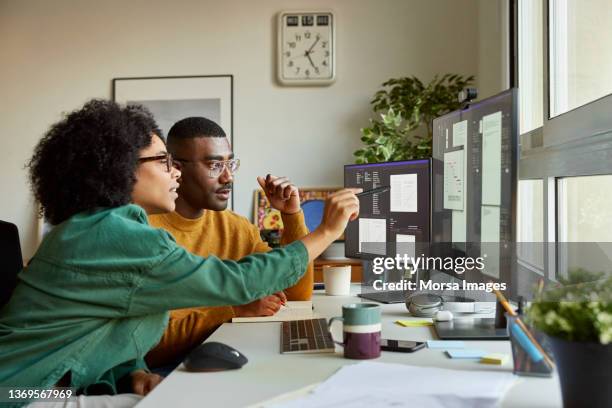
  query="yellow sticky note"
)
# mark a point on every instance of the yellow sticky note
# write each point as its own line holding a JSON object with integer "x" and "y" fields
{"x": 494, "y": 358}
{"x": 414, "y": 323}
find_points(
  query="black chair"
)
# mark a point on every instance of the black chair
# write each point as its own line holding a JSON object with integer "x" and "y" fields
{"x": 10, "y": 260}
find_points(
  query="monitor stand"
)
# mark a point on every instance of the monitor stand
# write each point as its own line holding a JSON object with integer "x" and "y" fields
{"x": 475, "y": 328}
{"x": 382, "y": 296}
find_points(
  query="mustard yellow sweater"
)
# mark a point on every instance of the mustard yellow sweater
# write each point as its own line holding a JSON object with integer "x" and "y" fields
{"x": 228, "y": 236}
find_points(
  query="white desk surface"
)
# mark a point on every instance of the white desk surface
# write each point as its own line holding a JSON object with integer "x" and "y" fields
{"x": 269, "y": 373}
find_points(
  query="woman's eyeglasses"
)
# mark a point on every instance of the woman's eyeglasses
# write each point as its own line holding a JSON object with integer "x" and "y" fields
{"x": 163, "y": 158}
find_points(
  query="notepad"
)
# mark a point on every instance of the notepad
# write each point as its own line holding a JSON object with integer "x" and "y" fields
{"x": 295, "y": 310}
{"x": 414, "y": 323}
{"x": 445, "y": 344}
{"x": 466, "y": 354}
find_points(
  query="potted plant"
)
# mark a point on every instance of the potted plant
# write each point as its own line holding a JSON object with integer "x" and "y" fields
{"x": 407, "y": 108}
{"x": 576, "y": 316}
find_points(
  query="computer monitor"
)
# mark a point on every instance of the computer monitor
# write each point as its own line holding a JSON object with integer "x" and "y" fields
{"x": 474, "y": 190}
{"x": 400, "y": 214}
{"x": 393, "y": 222}
{"x": 475, "y": 182}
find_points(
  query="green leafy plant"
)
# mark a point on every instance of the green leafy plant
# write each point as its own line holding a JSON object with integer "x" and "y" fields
{"x": 406, "y": 108}
{"x": 578, "y": 309}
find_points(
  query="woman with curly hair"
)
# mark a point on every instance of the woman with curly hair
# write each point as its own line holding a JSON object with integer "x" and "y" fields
{"x": 95, "y": 297}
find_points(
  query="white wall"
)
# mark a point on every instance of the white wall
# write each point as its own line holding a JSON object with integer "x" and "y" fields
{"x": 58, "y": 54}
{"x": 493, "y": 47}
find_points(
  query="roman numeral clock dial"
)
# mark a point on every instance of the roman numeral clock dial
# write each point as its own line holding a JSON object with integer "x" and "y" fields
{"x": 306, "y": 48}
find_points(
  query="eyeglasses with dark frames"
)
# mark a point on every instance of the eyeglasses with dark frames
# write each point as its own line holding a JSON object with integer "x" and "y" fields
{"x": 163, "y": 158}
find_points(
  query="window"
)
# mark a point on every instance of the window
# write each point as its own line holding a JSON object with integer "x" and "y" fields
{"x": 580, "y": 35}
{"x": 530, "y": 64}
{"x": 564, "y": 70}
{"x": 584, "y": 223}
{"x": 584, "y": 209}
{"x": 530, "y": 220}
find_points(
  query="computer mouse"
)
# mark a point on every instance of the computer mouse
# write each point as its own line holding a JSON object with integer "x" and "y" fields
{"x": 214, "y": 356}
{"x": 443, "y": 316}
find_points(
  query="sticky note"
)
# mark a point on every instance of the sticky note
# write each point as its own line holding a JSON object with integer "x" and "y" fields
{"x": 445, "y": 344}
{"x": 494, "y": 358}
{"x": 414, "y": 323}
{"x": 466, "y": 353}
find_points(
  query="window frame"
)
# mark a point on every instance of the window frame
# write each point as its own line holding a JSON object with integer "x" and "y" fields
{"x": 575, "y": 143}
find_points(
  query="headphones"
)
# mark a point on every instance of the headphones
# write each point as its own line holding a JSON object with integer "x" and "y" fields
{"x": 424, "y": 304}
{"x": 428, "y": 304}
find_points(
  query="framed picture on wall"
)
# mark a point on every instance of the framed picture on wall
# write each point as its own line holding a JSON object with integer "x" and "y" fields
{"x": 312, "y": 201}
{"x": 171, "y": 99}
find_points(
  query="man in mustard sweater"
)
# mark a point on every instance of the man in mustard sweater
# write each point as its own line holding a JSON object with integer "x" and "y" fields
{"x": 204, "y": 226}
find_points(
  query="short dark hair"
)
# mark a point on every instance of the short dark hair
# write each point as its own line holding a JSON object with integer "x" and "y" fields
{"x": 89, "y": 159}
{"x": 192, "y": 127}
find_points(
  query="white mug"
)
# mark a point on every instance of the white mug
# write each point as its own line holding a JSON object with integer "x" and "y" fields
{"x": 337, "y": 280}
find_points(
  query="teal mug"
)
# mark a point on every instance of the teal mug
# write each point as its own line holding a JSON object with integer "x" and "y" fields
{"x": 361, "y": 330}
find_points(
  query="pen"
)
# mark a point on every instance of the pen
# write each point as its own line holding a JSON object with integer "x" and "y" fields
{"x": 374, "y": 191}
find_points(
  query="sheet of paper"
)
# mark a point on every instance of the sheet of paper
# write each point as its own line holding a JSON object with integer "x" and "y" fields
{"x": 405, "y": 245}
{"x": 295, "y": 310}
{"x": 460, "y": 133}
{"x": 459, "y": 217}
{"x": 423, "y": 380}
{"x": 491, "y": 159}
{"x": 361, "y": 399}
{"x": 454, "y": 180}
{"x": 489, "y": 223}
{"x": 489, "y": 236}
{"x": 374, "y": 384}
{"x": 371, "y": 231}
{"x": 284, "y": 398}
{"x": 458, "y": 226}
{"x": 404, "y": 193}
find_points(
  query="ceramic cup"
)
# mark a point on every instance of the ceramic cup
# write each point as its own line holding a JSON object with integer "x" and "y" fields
{"x": 361, "y": 330}
{"x": 337, "y": 280}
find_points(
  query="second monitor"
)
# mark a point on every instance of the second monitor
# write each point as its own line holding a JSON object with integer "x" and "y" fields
{"x": 398, "y": 215}
{"x": 392, "y": 222}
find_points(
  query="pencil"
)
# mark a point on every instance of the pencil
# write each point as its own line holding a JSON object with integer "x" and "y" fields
{"x": 504, "y": 302}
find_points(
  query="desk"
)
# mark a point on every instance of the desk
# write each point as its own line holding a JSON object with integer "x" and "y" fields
{"x": 269, "y": 373}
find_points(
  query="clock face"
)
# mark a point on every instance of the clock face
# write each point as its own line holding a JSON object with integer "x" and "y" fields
{"x": 306, "y": 47}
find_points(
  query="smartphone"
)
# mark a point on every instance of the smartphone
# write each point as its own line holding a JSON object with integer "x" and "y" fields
{"x": 402, "y": 346}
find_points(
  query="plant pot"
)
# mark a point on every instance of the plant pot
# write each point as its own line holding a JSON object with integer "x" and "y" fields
{"x": 585, "y": 372}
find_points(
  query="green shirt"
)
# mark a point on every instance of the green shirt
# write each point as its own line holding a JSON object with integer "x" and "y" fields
{"x": 94, "y": 298}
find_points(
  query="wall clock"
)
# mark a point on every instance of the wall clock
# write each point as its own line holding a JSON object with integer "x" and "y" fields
{"x": 306, "y": 48}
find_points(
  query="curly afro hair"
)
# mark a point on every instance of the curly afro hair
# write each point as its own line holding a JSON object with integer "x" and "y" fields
{"x": 89, "y": 159}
